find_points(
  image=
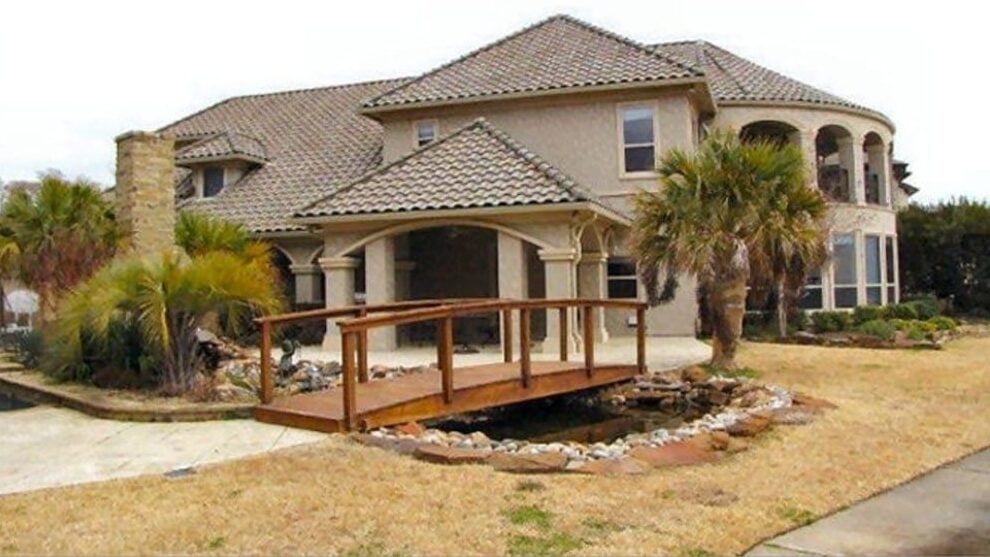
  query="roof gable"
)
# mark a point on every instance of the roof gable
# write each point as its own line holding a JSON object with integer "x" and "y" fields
{"x": 475, "y": 166}
{"x": 223, "y": 146}
{"x": 557, "y": 53}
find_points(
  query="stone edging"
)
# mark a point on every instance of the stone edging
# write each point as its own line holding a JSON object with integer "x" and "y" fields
{"x": 109, "y": 410}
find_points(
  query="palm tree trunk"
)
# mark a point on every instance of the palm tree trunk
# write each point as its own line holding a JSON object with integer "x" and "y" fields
{"x": 728, "y": 302}
{"x": 781, "y": 309}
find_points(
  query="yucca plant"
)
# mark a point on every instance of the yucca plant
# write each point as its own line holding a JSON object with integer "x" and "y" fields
{"x": 720, "y": 212}
{"x": 169, "y": 298}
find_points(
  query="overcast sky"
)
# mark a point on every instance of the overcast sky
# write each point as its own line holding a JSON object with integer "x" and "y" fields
{"x": 75, "y": 74}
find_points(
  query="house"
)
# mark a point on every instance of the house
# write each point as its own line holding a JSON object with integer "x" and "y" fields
{"x": 509, "y": 172}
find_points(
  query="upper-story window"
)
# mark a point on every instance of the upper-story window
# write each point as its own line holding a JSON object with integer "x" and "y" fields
{"x": 425, "y": 131}
{"x": 212, "y": 180}
{"x": 638, "y": 139}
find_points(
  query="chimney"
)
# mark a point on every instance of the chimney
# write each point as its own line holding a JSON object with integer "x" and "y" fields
{"x": 145, "y": 191}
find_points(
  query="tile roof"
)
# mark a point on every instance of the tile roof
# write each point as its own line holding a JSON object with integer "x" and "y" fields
{"x": 315, "y": 140}
{"x": 224, "y": 145}
{"x": 475, "y": 166}
{"x": 556, "y": 53}
{"x": 734, "y": 78}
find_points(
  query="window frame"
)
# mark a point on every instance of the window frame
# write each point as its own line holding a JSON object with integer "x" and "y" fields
{"x": 610, "y": 278}
{"x": 654, "y": 107}
{"x": 432, "y": 122}
{"x": 890, "y": 269}
{"x": 820, "y": 288}
{"x": 223, "y": 181}
{"x": 879, "y": 285}
{"x": 836, "y": 286}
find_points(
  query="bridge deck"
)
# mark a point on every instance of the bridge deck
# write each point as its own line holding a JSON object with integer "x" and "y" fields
{"x": 419, "y": 396}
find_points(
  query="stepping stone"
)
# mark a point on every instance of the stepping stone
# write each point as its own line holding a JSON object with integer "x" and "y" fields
{"x": 528, "y": 463}
{"x": 673, "y": 454}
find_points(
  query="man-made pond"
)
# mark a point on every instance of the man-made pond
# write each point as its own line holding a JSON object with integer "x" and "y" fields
{"x": 8, "y": 402}
{"x": 583, "y": 419}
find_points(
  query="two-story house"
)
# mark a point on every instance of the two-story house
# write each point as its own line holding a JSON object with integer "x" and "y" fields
{"x": 509, "y": 172}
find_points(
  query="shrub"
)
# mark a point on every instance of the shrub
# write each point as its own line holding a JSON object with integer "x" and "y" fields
{"x": 29, "y": 346}
{"x": 862, "y": 314}
{"x": 879, "y": 328}
{"x": 901, "y": 311}
{"x": 831, "y": 321}
{"x": 943, "y": 323}
{"x": 925, "y": 307}
{"x": 754, "y": 324}
{"x": 916, "y": 333}
{"x": 799, "y": 322}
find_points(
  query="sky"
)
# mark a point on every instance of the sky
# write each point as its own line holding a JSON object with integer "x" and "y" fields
{"x": 73, "y": 75}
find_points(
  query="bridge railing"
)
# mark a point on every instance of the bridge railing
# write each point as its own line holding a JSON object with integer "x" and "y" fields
{"x": 354, "y": 332}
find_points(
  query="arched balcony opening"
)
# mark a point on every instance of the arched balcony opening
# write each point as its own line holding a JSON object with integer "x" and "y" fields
{"x": 834, "y": 158}
{"x": 875, "y": 169}
{"x": 774, "y": 131}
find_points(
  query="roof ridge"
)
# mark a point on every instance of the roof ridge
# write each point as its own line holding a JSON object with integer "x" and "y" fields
{"x": 556, "y": 17}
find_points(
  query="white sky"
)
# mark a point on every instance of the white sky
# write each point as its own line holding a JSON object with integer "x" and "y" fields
{"x": 75, "y": 74}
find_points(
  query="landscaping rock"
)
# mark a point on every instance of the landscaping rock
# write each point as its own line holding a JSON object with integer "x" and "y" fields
{"x": 801, "y": 399}
{"x": 440, "y": 454}
{"x": 695, "y": 374}
{"x": 793, "y": 415}
{"x": 750, "y": 425}
{"x": 411, "y": 428}
{"x": 528, "y": 463}
{"x": 615, "y": 467}
{"x": 736, "y": 445}
{"x": 228, "y": 392}
{"x": 399, "y": 446}
{"x": 673, "y": 454}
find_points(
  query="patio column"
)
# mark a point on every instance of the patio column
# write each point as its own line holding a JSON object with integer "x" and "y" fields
{"x": 338, "y": 272}
{"x": 379, "y": 280}
{"x": 591, "y": 285}
{"x": 307, "y": 280}
{"x": 559, "y": 276}
{"x": 512, "y": 276}
{"x": 806, "y": 141}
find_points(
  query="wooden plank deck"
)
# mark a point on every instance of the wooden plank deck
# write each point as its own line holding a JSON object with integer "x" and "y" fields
{"x": 419, "y": 396}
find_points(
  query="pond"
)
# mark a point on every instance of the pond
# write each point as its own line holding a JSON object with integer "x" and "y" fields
{"x": 8, "y": 402}
{"x": 582, "y": 419}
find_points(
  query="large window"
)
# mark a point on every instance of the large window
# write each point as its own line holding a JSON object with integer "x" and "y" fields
{"x": 874, "y": 275}
{"x": 426, "y": 132}
{"x": 621, "y": 278}
{"x": 638, "y": 139}
{"x": 891, "y": 272}
{"x": 845, "y": 284}
{"x": 811, "y": 295}
{"x": 212, "y": 181}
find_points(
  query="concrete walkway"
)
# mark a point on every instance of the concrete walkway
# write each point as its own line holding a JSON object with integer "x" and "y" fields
{"x": 946, "y": 512}
{"x": 45, "y": 446}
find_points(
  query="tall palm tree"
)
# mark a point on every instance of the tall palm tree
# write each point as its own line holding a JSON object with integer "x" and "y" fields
{"x": 169, "y": 298}
{"x": 60, "y": 235}
{"x": 715, "y": 216}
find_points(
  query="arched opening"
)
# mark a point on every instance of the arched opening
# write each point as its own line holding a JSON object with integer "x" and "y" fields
{"x": 282, "y": 264}
{"x": 875, "y": 169}
{"x": 774, "y": 131}
{"x": 834, "y": 160}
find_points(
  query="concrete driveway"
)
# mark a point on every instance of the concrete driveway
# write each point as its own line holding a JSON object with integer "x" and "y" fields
{"x": 44, "y": 446}
{"x": 945, "y": 512}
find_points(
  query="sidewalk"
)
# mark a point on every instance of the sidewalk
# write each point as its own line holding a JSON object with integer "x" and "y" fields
{"x": 945, "y": 512}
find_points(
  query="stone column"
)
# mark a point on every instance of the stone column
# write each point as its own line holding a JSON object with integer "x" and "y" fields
{"x": 591, "y": 276}
{"x": 379, "y": 281}
{"x": 806, "y": 141}
{"x": 339, "y": 275}
{"x": 559, "y": 276}
{"x": 307, "y": 281}
{"x": 145, "y": 190}
{"x": 512, "y": 276}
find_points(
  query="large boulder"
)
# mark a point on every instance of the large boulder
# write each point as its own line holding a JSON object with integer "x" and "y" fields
{"x": 751, "y": 425}
{"x": 615, "y": 467}
{"x": 674, "y": 454}
{"x": 440, "y": 454}
{"x": 528, "y": 463}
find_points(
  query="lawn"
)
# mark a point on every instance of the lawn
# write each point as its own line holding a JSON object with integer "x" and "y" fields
{"x": 900, "y": 413}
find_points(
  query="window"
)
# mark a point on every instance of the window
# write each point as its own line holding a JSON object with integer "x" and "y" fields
{"x": 621, "y": 278}
{"x": 212, "y": 181}
{"x": 844, "y": 253}
{"x": 811, "y": 295}
{"x": 638, "y": 141}
{"x": 874, "y": 278}
{"x": 426, "y": 132}
{"x": 891, "y": 274}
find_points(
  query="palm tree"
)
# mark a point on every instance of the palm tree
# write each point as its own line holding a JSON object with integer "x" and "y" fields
{"x": 169, "y": 298}
{"x": 715, "y": 216}
{"x": 58, "y": 237}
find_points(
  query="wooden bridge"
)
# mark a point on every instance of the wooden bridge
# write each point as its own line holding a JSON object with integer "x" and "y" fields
{"x": 362, "y": 404}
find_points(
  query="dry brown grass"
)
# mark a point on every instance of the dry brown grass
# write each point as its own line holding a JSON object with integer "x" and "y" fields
{"x": 901, "y": 413}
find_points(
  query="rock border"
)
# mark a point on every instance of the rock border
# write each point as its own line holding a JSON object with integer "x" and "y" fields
{"x": 15, "y": 384}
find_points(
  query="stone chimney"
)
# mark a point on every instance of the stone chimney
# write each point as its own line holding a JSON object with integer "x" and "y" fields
{"x": 145, "y": 191}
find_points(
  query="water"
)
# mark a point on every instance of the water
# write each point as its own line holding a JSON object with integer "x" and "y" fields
{"x": 583, "y": 419}
{"x": 8, "y": 402}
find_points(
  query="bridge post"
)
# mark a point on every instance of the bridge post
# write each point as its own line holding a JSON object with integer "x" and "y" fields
{"x": 641, "y": 338}
{"x": 588, "y": 319}
{"x": 350, "y": 384}
{"x": 362, "y": 350}
{"x": 267, "y": 389}
{"x": 507, "y": 336}
{"x": 524, "y": 361}
{"x": 445, "y": 357}
{"x": 562, "y": 318}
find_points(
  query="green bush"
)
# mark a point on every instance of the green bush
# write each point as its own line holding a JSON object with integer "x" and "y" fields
{"x": 754, "y": 324}
{"x": 862, "y": 314}
{"x": 831, "y": 321}
{"x": 29, "y": 346}
{"x": 916, "y": 333}
{"x": 901, "y": 311}
{"x": 925, "y": 307}
{"x": 943, "y": 323}
{"x": 879, "y": 328}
